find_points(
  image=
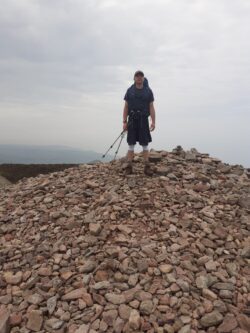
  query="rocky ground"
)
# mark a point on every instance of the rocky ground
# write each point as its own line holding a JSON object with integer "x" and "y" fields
{"x": 90, "y": 250}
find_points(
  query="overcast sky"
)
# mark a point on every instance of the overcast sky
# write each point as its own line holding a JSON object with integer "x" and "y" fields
{"x": 65, "y": 66}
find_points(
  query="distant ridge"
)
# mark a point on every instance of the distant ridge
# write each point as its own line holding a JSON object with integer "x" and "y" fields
{"x": 4, "y": 181}
{"x": 27, "y": 154}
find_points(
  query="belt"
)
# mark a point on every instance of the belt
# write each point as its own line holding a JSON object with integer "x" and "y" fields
{"x": 135, "y": 115}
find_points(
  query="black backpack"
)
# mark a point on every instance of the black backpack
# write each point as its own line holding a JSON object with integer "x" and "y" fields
{"x": 131, "y": 91}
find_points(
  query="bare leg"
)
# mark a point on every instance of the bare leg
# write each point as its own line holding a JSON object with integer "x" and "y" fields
{"x": 145, "y": 155}
{"x": 130, "y": 156}
{"x": 147, "y": 170}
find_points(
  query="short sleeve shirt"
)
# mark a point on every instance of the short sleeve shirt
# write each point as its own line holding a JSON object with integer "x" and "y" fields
{"x": 139, "y": 99}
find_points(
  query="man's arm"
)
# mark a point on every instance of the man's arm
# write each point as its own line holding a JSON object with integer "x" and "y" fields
{"x": 125, "y": 116}
{"x": 152, "y": 115}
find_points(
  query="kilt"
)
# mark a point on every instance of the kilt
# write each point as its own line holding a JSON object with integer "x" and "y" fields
{"x": 138, "y": 129}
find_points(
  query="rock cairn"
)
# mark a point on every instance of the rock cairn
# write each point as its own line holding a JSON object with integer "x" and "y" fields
{"x": 89, "y": 250}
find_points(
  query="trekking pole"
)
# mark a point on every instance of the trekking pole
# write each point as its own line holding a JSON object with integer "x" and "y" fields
{"x": 122, "y": 136}
{"x": 104, "y": 155}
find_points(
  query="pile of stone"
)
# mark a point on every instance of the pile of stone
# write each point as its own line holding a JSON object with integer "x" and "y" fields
{"x": 90, "y": 250}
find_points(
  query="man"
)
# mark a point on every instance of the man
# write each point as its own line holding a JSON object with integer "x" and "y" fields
{"x": 139, "y": 105}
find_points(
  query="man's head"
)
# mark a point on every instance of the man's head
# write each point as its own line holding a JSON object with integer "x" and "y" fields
{"x": 139, "y": 77}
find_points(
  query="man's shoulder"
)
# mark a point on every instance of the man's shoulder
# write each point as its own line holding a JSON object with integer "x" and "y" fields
{"x": 131, "y": 89}
{"x": 148, "y": 90}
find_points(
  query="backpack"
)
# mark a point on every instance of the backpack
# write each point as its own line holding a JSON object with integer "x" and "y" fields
{"x": 132, "y": 91}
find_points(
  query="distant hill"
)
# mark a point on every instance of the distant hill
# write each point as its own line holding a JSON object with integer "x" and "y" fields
{"x": 4, "y": 181}
{"x": 11, "y": 173}
{"x": 28, "y": 154}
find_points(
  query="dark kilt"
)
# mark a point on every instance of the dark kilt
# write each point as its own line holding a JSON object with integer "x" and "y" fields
{"x": 138, "y": 130}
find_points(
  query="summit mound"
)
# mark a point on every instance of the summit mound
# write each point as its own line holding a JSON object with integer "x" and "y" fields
{"x": 88, "y": 249}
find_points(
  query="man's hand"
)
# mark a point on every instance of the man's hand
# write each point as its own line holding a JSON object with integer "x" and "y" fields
{"x": 125, "y": 126}
{"x": 125, "y": 116}
{"x": 152, "y": 127}
{"x": 152, "y": 115}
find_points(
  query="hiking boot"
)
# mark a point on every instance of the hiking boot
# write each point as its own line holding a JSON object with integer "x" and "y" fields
{"x": 147, "y": 170}
{"x": 128, "y": 168}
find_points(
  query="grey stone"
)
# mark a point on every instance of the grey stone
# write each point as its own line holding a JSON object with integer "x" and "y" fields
{"x": 146, "y": 307}
{"x": 35, "y": 299}
{"x": 51, "y": 304}
{"x": 184, "y": 285}
{"x": 244, "y": 202}
{"x": 115, "y": 298}
{"x": 224, "y": 286}
{"x": 201, "y": 282}
{"x": 101, "y": 285}
{"x": 5, "y": 299}
{"x": 211, "y": 319}
{"x": 185, "y": 329}
{"x": 124, "y": 311}
{"x": 95, "y": 228}
{"x": 83, "y": 329}
{"x": 134, "y": 320}
{"x": 88, "y": 267}
{"x": 142, "y": 265}
{"x": 54, "y": 323}
{"x": 232, "y": 269}
{"x": 246, "y": 252}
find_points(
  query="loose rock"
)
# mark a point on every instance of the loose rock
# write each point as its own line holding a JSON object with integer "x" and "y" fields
{"x": 211, "y": 319}
{"x": 89, "y": 249}
{"x": 35, "y": 321}
{"x": 4, "y": 321}
{"x": 134, "y": 320}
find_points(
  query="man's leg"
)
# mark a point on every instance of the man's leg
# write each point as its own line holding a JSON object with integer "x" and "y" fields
{"x": 130, "y": 153}
{"x": 147, "y": 170}
{"x": 145, "y": 154}
{"x": 130, "y": 156}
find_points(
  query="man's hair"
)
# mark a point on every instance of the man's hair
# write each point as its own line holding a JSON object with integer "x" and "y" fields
{"x": 138, "y": 73}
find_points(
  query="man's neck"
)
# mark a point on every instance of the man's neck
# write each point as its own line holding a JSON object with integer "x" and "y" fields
{"x": 139, "y": 86}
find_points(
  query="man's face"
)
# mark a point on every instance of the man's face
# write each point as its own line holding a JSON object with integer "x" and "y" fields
{"x": 139, "y": 79}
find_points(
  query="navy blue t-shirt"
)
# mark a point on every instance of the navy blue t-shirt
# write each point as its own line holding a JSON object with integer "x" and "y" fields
{"x": 139, "y": 99}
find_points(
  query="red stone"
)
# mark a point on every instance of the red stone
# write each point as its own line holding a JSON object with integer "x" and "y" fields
{"x": 15, "y": 319}
{"x": 244, "y": 322}
{"x": 229, "y": 323}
